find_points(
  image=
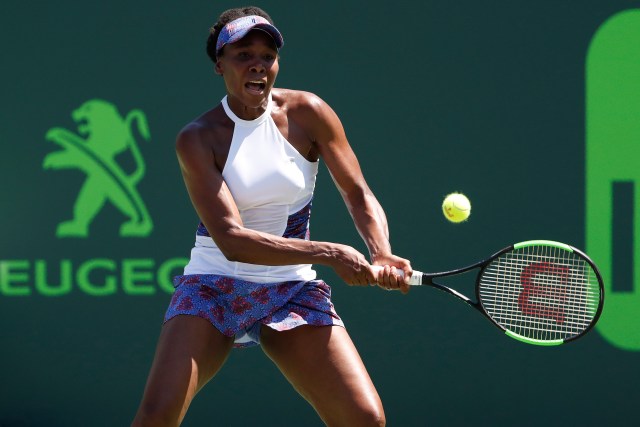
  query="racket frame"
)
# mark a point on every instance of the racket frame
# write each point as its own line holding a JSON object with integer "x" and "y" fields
{"x": 427, "y": 279}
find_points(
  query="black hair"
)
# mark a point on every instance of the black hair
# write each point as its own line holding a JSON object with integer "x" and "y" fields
{"x": 226, "y": 17}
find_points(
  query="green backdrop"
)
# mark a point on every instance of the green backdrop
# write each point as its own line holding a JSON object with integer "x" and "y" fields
{"x": 530, "y": 108}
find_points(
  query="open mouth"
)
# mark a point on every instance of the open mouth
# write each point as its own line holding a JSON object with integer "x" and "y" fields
{"x": 83, "y": 128}
{"x": 83, "y": 124}
{"x": 255, "y": 86}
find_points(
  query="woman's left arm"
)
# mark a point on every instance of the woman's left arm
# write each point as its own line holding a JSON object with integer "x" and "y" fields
{"x": 328, "y": 136}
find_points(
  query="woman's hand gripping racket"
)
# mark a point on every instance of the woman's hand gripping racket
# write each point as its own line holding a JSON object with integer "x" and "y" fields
{"x": 539, "y": 292}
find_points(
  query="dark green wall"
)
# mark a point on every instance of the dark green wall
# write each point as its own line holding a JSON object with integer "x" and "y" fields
{"x": 487, "y": 98}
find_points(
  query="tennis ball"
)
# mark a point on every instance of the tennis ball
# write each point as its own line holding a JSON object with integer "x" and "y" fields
{"x": 456, "y": 207}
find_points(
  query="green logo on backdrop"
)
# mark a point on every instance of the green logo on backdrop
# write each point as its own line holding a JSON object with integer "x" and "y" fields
{"x": 102, "y": 134}
{"x": 613, "y": 172}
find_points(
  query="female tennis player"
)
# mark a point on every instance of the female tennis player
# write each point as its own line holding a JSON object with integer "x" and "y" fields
{"x": 250, "y": 165}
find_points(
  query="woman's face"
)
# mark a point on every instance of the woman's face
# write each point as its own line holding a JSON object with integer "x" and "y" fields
{"x": 249, "y": 67}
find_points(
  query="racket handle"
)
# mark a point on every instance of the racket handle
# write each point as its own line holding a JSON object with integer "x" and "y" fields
{"x": 416, "y": 277}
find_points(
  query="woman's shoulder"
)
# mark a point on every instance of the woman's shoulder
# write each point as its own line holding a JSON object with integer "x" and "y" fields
{"x": 298, "y": 101}
{"x": 204, "y": 129}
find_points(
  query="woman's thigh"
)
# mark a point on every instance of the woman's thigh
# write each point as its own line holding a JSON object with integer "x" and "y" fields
{"x": 189, "y": 353}
{"x": 324, "y": 366}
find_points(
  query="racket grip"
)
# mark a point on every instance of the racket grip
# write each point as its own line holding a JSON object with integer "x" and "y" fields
{"x": 416, "y": 277}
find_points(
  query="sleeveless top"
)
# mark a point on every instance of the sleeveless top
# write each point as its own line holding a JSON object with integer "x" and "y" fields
{"x": 272, "y": 185}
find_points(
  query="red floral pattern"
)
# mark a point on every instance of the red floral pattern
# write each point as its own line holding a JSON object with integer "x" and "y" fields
{"x": 238, "y": 307}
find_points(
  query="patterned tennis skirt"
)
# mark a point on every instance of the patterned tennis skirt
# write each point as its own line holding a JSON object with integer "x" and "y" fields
{"x": 239, "y": 308}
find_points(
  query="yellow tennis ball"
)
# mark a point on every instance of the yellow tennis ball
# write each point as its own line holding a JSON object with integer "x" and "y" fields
{"x": 456, "y": 207}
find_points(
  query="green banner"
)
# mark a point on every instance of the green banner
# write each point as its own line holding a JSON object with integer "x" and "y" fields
{"x": 531, "y": 109}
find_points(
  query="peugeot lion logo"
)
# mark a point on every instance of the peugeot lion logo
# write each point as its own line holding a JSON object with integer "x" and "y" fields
{"x": 101, "y": 135}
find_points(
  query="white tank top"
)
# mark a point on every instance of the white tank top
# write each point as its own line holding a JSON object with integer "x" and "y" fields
{"x": 272, "y": 185}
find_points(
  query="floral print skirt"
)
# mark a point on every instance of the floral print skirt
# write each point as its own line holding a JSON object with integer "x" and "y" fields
{"x": 239, "y": 308}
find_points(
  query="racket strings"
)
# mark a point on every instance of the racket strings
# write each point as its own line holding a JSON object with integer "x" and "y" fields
{"x": 540, "y": 292}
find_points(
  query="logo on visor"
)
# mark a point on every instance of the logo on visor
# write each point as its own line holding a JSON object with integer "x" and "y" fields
{"x": 101, "y": 135}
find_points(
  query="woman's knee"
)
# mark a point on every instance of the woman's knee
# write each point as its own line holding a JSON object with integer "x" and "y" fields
{"x": 370, "y": 416}
{"x": 155, "y": 414}
{"x": 374, "y": 417}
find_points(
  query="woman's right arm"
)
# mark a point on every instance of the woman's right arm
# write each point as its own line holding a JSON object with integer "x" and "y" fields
{"x": 216, "y": 208}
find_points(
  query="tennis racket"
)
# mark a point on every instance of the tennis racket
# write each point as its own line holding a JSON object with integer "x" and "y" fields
{"x": 538, "y": 292}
